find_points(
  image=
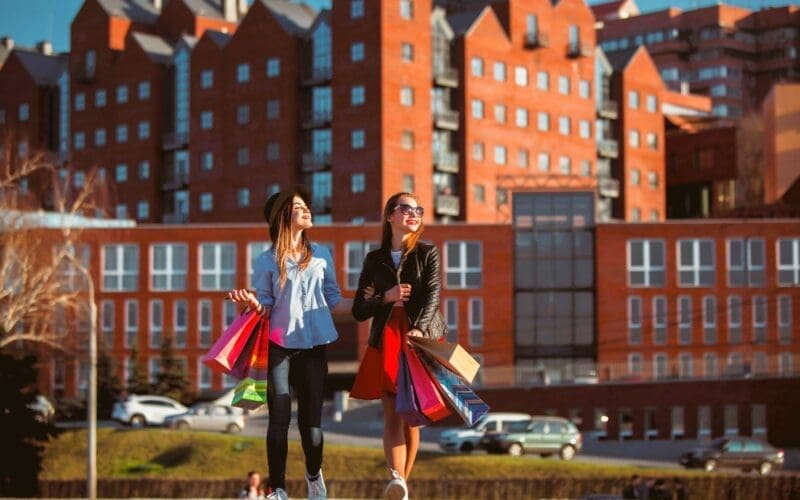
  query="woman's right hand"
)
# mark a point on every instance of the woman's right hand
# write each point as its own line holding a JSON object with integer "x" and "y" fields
{"x": 398, "y": 293}
{"x": 244, "y": 296}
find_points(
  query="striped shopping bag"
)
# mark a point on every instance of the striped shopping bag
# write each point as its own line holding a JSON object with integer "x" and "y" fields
{"x": 456, "y": 391}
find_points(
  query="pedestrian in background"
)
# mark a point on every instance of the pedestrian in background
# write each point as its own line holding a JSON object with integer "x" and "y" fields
{"x": 253, "y": 489}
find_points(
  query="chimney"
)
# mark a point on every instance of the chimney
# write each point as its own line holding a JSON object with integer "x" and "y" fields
{"x": 45, "y": 47}
{"x": 229, "y": 10}
{"x": 7, "y": 42}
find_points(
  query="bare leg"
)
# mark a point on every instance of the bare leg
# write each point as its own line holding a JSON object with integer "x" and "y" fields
{"x": 394, "y": 439}
{"x": 412, "y": 446}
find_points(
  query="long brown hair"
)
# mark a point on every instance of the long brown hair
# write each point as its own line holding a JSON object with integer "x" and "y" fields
{"x": 281, "y": 235}
{"x": 386, "y": 239}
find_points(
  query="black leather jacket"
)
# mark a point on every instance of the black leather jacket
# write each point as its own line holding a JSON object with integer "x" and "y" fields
{"x": 421, "y": 268}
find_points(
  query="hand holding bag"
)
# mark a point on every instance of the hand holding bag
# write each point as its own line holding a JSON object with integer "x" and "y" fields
{"x": 406, "y": 402}
{"x": 430, "y": 401}
{"x": 229, "y": 347}
{"x": 453, "y": 356}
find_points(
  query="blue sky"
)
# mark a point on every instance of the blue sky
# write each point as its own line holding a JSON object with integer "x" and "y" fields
{"x": 28, "y": 21}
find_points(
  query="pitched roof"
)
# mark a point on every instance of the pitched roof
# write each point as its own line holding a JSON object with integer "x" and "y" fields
{"x": 44, "y": 69}
{"x": 295, "y": 18}
{"x": 602, "y": 10}
{"x": 156, "y": 48}
{"x": 219, "y": 38}
{"x": 619, "y": 59}
{"x": 139, "y": 11}
{"x": 462, "y": 21}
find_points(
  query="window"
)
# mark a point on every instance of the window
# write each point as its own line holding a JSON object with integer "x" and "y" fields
{"x": 357, "y": 95}
{"x": 636, "y": 177}
{"x": 544, "y": 162}
{"x": 586, "y": 168}
{"x": 746, "y": 264}
{"x": 788, "y": 261}
{"x": 131, "y": 309}
{"x": 242, "y": 72}
{"x": 476, "y": 66}
{"x": 356, "y": 9}
{"x": 357, "y": 183}
{"x": 684, "y": 320}
{"x": 585, "y": 89}
{"x": 709, "y": 320}
{"x": 122, "y": 134}
{"x": 685, "y": 365}
{"x": 205, "y": 322}
{"x": 242, "y": 114}
{"x": 635, "y": 364}
{"x": 80, "y": 102}
{"x": 407, "y": 96}
{"x": 156, "y": 322}
{"x": 499, "y": 113}
{"x": 168, "y": 267}
{"x": 144, "y": 90}
{"x": 652, "y": 180}
{"x": 206, "y": 202}
{"x": 207, "y": 160}
{"x": 243, "y": 198}
{"x": 355, "y": 252}
{"x": 500, "y": 155}
{"x": 563, "y": 85}
{"x": 217, "y": 266}
{"x": 475, "y": 321}
{"x": 543, "y": 121}
{"x": 357, "y": 139}
{"x": 784, "y": 319}
{"x": 78, "y": 142}
{"x": 543, "y": 80}
{"x": 695, "y": 262}
{"x": 357, "y": 52}
{"x": 120, "y": 268}
{"x": 732, "y": 425}
{"x": 659, "y": 320}
{"x": 100, "y": 137}
{"x": 206, "y": 78}
{"x": 634, "y": 320}
{"x": 633, "y": 138}
{"x": 122, "y": 211}
{"x": 122, "y": 173}
{"x": 646, "y": 261}
{"x": 565, "y": 165}
{"x": 523, "y": 158}
{"x": 144, "y": 130}
{"x": 78, "y": 179}
{"x": 407, "y": 9}
{"x": 143, "y": 210}
{"x": 659, "y": 366}
{"x": 207, "y": 120}
{"x": 203, "y": 375}
{"x": 585, "y": 129}
{"x": 759, "y": 319}
{"x": 100, "y": 98}
{"x": 273, "y": 67}
{"x": 652, "y": 140}
{"x": 242, "y": 156}
{"x": 633, "y": 99}
{"x": 408, "y": 183}
{"x": 451, "y": 319}
{"x": 407, "y": 52}
{"x": 734, "y": 319}
{"x": 522, "y": 117}
{"x": 180, "y": 315}
{"x": 107, "y": 322}
{"x": 785, "y": 363}
{"x": 521, "y": 76}
{"x": 144, "y": 169}
{"x": 652, "y": 103}
{"x": 254, "y": 251}
{"x": 499, "y": 71}
{"x": 477, "y": 151}
{"x": 463, "y": 264}
{"x": 407, "y": 140}
{"x": 273, "y": 151}
{"x": 273, "y": 109}
{"x": 564, "y": 125}
{"x": 477, "y": 109}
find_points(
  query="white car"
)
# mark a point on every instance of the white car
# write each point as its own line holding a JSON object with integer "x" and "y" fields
{"x": 141, "y": 410}
{"x": 208, "y": 418}
{"x": 468, "y": 438}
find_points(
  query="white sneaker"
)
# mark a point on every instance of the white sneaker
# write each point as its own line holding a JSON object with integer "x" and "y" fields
{"x": 278, "y": 494}
{"x": 316, "y": 488}
{"x": 396, "y": 489}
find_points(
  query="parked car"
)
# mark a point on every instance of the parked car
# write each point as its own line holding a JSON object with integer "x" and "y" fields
{"x": 141, "y": 410}
{"x": 735, "y": 452}
{"x": 543, "y": 435}
{"x": 43, "y": 409}
{"x": 208, "y": 418}
{"x": 468, "y": 438}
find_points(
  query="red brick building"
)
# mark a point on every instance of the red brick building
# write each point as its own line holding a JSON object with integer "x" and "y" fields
{"x": 781, "y": 114}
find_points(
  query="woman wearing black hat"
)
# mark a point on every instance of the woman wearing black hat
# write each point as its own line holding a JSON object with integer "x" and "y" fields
{"x": 296, "y": 285}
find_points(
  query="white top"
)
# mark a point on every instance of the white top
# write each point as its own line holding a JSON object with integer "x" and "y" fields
{"x": 396, "y": 254}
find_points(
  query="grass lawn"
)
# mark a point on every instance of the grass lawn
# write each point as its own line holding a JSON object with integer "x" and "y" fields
{"x": 126, "y": 453}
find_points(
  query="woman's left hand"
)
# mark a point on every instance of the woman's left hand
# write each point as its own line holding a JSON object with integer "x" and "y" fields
{"x": 415, "y": 332}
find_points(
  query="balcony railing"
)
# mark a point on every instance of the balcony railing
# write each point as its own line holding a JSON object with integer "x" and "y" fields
{"x": 535, "y": 40}
{"x": 448, "y": 205}
{"x": 608, "y": 148}
{"x": 318, "y": 118}
{"x": 174, "y": 140}
{"x": 578, "y": 49}
{"x": 445, "y": 118}
{"x": 446, "y": 161}
{"x": 445, "y": 77}
{"x": 608, "y": 187}
{"x": 316, "y": 161}
{"x": 609, "y": 109}
{"x": 175, "y": 178}
{"x": 317, "y": 75}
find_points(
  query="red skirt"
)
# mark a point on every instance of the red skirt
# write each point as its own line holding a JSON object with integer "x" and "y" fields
{"x": 377, "y": 374}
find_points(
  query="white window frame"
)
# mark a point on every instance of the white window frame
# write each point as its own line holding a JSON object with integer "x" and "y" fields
{"x": 696, "y": 268}
{"x": 462, "y": 270}
{"x": 757, "y": 324}
{"x": 794, "y": 261}
{"x": 205, "y": 335}
{"x": 119, "y": 273}
{"x": 632, "y": 324}
{"x": 660, "y": 323}
{"x": 131, "y": 329}
{"x": 709, "y": 321}
{"x": 107, "y": 322}
{"x": 171, "y": 271}
{"x": 688, "y": 370}
{"x": 451, "y": 321}
{"x": 155, "y": 332}
{"x": 521, "y": 76}
{"x": 634, "y": 361}
{"x": 657, "y": 359}
{"x": 203, "y": 369}
{"x": 684, "y": 325}
{"x": 218, "y": 273}
{"x": 784, "y": 321}
{"x": 475, "y": 329}
{"x": 647, "y": 266}
{"x": 352, "y": 270}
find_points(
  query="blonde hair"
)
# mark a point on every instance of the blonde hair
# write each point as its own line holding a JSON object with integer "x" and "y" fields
{"x": 386, "y": 239}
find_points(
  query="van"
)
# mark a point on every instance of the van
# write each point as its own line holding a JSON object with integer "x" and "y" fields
{"x": 468, "y": 438}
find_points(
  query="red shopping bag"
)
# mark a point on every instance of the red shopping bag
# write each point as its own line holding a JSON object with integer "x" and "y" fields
{"x": 251, "y": 392}
{"x": 430, "y": 401}
{"x": 229, "y": 347}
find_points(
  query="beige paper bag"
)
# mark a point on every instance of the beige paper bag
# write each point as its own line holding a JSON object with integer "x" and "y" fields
{"x": 452, "y": 356}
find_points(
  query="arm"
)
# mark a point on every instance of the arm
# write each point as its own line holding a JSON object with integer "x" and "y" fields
{"x": 432, "y": 282}
{"x": 364, "y": 307}
{"x": 262, "y": 281}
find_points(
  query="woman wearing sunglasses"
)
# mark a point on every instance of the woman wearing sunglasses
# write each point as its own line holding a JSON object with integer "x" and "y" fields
{"x": 399, "y": 289}
{"x": 296, "y": 285}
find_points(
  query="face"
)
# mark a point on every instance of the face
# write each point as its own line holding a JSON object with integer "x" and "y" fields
{"x": 254, "y": 480}
{"x": 406, "y": 216}
{"x": 301, "y": 215}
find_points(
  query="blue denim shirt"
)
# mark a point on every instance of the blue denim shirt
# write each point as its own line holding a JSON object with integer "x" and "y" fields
{"x": 301, "y": 311}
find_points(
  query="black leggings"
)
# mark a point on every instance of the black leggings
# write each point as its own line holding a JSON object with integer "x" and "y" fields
{"x": 305, "y": 371}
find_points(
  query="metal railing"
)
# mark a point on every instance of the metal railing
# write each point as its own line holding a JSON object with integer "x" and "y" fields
{"x": 608, "y": 147}
{"x": 446, "y": 161}
{"x": 446, "y": 118}
{"x": 445, "y": 77}
{"x": 448, "y": 205}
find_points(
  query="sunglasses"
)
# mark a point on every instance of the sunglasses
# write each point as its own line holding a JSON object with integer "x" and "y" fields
{"x": 409, "y": 210}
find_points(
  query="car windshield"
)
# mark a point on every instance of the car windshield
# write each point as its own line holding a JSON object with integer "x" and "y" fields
{"x": 520, "y": 426}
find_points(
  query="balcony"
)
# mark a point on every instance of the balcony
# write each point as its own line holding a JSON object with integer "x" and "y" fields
{"x": 578, "y": 49}
{"x": 317, "y": 75}
{"x": 608, "y": 148}
{"x": 175, "y": 218}
{"x": 446, "y": 119}
{"x": 175, "y": 178}
{"x": 174, "y": 140}
{"x": 448, "y": 205}
{"x": 445, "y": 77}
{"x": 446, "y": 161}
{"x": 608, "y": 187}
{"x": 536, "y": 40}
{"x": 318, "y": 118}
{"x": 609, "y": 109}
{"x": 316, "y": 161}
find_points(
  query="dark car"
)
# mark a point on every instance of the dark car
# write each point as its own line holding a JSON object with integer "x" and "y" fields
{"x": 543, "y": 435}
{"x": 735, "y": 452}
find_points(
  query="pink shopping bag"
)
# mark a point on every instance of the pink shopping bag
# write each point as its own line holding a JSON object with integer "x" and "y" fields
{"x": 231, "y": 345}
{"x": 431, "y": 403}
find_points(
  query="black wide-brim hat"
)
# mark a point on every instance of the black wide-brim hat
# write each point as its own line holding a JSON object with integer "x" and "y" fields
{"x": 278, "y": 201}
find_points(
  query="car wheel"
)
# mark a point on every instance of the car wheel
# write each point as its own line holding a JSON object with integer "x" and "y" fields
{"x": 183, "y": 425}
{"x": 567, "y": 452}
{"x": 232, "y": 429}
{"x": 467, "y": 447}
{"x": 137, "y": 421}
{"x": 515, "y": 449}
{"x": 764, "y": 469}
{"x": 710, "y": 465}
